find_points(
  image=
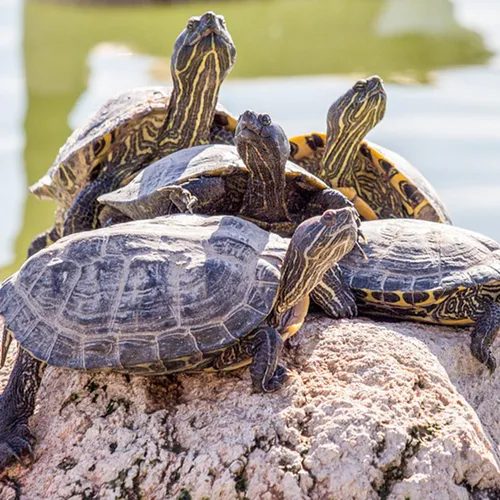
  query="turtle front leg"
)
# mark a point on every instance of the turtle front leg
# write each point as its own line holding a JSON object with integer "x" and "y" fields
{"x": 334, "y": 296}
{"x": 267, "y": 375}
{"x": 17, "y": 404}
{"x": 484, "y": 333}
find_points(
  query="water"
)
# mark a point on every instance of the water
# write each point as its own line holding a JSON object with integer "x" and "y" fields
{"x": 439, "y": 59}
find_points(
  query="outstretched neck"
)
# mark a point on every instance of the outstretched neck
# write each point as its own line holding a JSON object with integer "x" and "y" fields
{"x": 264, "y": 198}
{"x": 339, "y": 160}
{"x": 190, "y": 113}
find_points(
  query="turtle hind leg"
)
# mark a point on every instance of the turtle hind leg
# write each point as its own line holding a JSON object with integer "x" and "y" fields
{"x": 484, "y": 333}
{"x": 267, "y": 375}
{"x": 17, "y": 404}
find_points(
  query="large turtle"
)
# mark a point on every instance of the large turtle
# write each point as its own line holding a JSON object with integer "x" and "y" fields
{"x": 252, "y": 179}
{"x": 174, "y": 294}
{"x": 429, "y": 272}
{"x": 142, "y": 125}
{"x": 380, "y": 183}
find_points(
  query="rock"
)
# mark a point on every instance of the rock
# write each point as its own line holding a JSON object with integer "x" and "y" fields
{"x": 371, "y": 410}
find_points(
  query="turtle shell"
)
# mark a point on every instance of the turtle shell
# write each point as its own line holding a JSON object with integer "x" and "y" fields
{"x": 422, "y": 270}
{"x": 119, "y": 119}
{"x": 156, "y": 296}
{"x": 377, "y": 168}
{"x": 139, "y": 198}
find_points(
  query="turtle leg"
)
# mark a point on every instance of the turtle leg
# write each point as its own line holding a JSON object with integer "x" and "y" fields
{"x": 334, "y": 296}
{"x": 84, "y": 213}
{"x": 484, "y": 333}
{"x": 267, "y": 375}
{"x": 17, "y": 404}
{"x": 43, "y": 240}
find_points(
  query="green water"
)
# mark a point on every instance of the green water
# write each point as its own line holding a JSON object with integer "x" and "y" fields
{"x": 276, "y": 38}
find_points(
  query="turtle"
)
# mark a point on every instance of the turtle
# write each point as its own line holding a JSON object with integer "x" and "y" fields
{"x": 252, "y": 179}
{"x": 139, "y": 126}
{"x": 380, "y": 183}
{"x": 428, "y": 272}
{"x": 181, "y": 293}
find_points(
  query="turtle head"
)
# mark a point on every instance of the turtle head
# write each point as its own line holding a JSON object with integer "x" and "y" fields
{"x": 204, "y": 47}
{"x": 316, "y": 246}
{"x": 349, "y": 119}
{"x": 258, "y": 138}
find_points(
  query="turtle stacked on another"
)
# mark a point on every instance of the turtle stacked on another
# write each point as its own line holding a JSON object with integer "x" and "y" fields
{"x": 136, "y": 128}
{"x": 252, "y": 179}
{"x": 380, "y": 183}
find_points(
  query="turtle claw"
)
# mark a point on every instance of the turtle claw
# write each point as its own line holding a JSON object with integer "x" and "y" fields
{"x": 15, "y": 444}
{"x": 183, "y": 200}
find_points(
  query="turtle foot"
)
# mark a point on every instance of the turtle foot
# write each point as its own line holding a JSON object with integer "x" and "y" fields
{"x": 16, "y": 443}
{"x": 485, "y": 356}
{"x": 276, "y": 381}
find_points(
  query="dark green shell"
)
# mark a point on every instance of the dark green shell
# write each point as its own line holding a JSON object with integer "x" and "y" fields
{"x": 155, "y": 296}
{"x": 121, "y": 119}
{"x": 423, "y": 270}
{"x": 139, "y": 198}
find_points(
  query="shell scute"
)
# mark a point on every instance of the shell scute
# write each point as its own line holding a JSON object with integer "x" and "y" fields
{"x": 176, "y": 344}
{"x": 216, "y": 284}
{"x": 40, "y": 340}
{"x": 52, "y": 288}
{"x": 101, "y": 352}
{"x": 67, "y": 351}
{"x": 212, "y": 337}
{"x": 94, "y": 296}
{"x": 135, "y": 351}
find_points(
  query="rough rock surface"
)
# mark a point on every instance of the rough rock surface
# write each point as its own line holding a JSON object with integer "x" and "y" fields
{"x": 371, "y": 410}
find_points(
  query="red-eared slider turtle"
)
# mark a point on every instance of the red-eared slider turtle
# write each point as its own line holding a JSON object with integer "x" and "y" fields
{"x": 140, "y": 126}
{"x": 429, "y": 272}
{"x": 252, "y": 179}
{"x": 380, "y": 183}
{"x": 173, "y": 294}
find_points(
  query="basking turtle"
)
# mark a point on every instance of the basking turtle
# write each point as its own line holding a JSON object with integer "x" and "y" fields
{"x": 142, "y": 125}
{"x": 169, "y": 295}
{"x": 380, "y": 183}
{"x": 252, "y": 179}
{"x": 434, "y": 273}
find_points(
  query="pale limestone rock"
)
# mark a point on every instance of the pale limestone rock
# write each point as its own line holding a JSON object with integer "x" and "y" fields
{"x": 371, "y": 410}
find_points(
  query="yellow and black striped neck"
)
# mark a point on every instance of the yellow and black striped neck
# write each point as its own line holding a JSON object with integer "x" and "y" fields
{"x": 316, "y": 246}
{"x": 264, "y": 148}
{"x": 350, "y": 118}
{"x": 203, "y": 56}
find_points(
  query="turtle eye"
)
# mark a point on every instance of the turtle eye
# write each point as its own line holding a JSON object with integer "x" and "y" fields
{"x": 265, "y": 120}
{"x": 191, "y": 25}
{"x": 360, "y": 85}
{"x": 329, "y": 216}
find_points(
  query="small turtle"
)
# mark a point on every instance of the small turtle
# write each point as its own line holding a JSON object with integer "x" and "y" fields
{"x": 380, "y": 183}
{"x": 169, "y": 295}
{"x": 252, "y": 179}
{"x": 429, "y": 272}
{"x": 142, "y": 125}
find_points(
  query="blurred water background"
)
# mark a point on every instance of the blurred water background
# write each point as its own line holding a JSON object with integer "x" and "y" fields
{"x": 440, "y": 60}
